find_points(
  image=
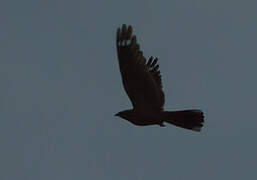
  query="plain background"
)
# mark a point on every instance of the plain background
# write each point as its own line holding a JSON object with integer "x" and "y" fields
{"x": 61, "y": 86}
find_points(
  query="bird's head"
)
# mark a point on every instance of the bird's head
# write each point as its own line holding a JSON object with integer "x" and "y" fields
{"x": 127, "y": 114}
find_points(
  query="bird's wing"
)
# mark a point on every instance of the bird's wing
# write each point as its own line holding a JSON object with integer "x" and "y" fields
{"x": 141, "y": 79}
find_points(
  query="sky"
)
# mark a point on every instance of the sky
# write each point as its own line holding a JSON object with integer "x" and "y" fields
{"x": 61, "y": 86}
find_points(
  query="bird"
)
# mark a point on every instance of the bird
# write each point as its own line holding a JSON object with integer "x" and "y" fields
{"x": 142, "y": 82}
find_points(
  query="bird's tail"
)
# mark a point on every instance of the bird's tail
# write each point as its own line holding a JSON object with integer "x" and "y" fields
{"x": 188, "y": 119}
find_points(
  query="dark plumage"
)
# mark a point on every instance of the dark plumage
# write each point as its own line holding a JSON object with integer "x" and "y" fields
{"x": 142, "y": 82}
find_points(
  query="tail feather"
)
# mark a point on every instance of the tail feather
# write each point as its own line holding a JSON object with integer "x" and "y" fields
{"x": 188, "y": 119}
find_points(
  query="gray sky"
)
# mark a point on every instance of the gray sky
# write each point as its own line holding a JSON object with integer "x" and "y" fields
{"x": 61, "y": 86}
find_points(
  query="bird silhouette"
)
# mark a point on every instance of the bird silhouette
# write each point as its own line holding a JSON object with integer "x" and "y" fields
{"x": 141, "y": 79}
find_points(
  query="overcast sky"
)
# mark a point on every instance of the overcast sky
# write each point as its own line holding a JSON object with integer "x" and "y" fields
{"x": 61, "y": 86}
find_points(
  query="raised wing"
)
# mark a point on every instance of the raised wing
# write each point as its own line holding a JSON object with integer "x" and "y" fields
{"x": 141, "y": 79}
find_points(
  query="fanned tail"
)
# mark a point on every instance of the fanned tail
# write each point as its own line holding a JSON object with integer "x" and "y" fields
{"x": 188, "y": 119}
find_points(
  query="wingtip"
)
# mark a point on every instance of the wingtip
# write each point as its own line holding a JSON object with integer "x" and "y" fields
{"x": 124, "y": 33}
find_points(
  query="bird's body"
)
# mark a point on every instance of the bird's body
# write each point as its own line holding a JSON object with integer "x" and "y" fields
{"x": 142, "y": 82}
{"x": 142, "y": 118}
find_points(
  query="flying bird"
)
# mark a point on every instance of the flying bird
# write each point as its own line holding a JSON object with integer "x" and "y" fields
{"x": 141, "y": 79}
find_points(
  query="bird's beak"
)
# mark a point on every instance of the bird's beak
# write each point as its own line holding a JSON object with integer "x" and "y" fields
{"x": 117, "y": 114}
